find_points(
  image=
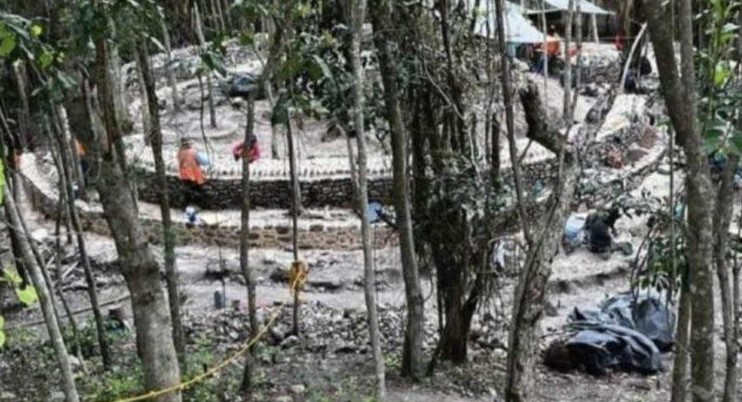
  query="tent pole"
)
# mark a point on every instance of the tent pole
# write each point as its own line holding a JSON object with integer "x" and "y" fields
{"x": 594, "y": 19}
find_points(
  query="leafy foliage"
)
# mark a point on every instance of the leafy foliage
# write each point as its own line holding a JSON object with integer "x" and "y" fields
{"x": 721, "y": 90}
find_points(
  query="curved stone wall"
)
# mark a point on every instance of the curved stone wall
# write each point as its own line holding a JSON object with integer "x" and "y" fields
{"x": 313, "y": 234}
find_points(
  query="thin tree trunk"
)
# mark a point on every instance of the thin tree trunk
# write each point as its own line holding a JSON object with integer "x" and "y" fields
{"x": 567, "y": 102}
{"x": 268, "y": 78}
{"x": 219, "y": 14}
{"x": 530, "y": 292}
{"x": 58, "y": 265}
{"x": 680, "y": 383}
{"x": 680, "y": 98}
{"x": 140, "y": 269}
{"x": 245, "y": 246}
{"x": 295, "y": 207}
{"x": 146, "y": 128}
{"x": 507, "y": 92}
{"x": 55, "y": 335}
{"x": 578, "y": 62}
{"x": 209, "y": 86}
{"x": 358, "y": 11}
{"x": 65, "y": 176}
{"x": 19, "y": 72}
{"x": 722, "y": 220}
{"x": 168, "y": 233}
{"x": 412, "y": 352}
{"x": 228, "y": 14}
{"x": 169, "y": 70}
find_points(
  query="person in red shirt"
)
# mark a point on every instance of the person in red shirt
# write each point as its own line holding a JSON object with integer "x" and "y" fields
{"x": 251, "y": 152}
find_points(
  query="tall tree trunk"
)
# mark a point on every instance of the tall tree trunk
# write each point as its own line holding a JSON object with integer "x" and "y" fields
{"x": 146, "y": 129}
{"x": 567, "y": 102}
{"x": 269, "y": 80}
{"x": 209, "y": 86}
{"x": 680, "y": 383}
{"x": 722, "y": 220}
{"x": 47, "y": 308}
{"x": 168, "y": 233}
{"x": 217, "y": 5}
{"x": 140, "y": 269}
{"x": 357, "y": 18}
{"x": 680, "y": 98}
{"x": 530, "y": 292}
{"x": 245, "y": 247}
{"x": 507, "y": 94}
{"x": 412, "y": 352}
{"x": 295, "y": 208}
{"x": 228, "y": 14}
{"x": 578, "y": 62}
{"x": 65, "y": 177}
{"x": 19, "y": 72}
{"x": 171, "y": 81}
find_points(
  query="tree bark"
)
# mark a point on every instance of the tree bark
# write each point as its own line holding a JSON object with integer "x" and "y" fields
{"x": 295, "y": 207}
{"x": 140, "y": 269}
{"x": 65, "y": 177}
{"x": 530, "y": 292}
{"x": 507, "y": 94}
{"x": 146, "y": 129}
{"x": 357, "y": 18}
{"x": 412, "y": 352}
{"x": 245, "y": 247}
{"x": 209, "y": 86}
{"x": 25, "y": 125}
{"x": 722, "y": 221}
{"x": 47, "y": 308}
{"x": 680, "y": 384}
{"x": 168, "y": 233}
{"x": 171, "y": 81}
{"x": 680, "y": 98}
{"x": 567, "y": 102}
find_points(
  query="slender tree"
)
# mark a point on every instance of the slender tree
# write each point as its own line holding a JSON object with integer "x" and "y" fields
{"x": 47, "y": 308}
{"x": 412, "y": 353}
{"x": 168, "y": 232}
{"x": 245, "y": 246}
{"x": 678, "y": 90}
{"x": 171, "y": 81}
{"x": 721, "y": 222}
{"x": 530, "y": 291}
{"x": 358, "y": 10}
{"x": 202, "y": 44}
{"x": 138, "y": 265}
{"x": 65, "y": 176}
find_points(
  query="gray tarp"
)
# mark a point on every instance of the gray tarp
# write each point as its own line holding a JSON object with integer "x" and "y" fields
{"x": 517, "y": 27}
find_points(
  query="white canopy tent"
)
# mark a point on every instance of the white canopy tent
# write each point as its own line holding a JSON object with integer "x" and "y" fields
{"x": 518, "y": 29}
{"x": 562, "y": 6}
{"x": 586, "y": 7}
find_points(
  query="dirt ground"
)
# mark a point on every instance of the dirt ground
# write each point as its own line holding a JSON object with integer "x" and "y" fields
{"x": 579, "y": 279}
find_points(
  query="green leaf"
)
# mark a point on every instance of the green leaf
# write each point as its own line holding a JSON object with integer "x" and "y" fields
{"x": 36, "y": 30}
{"x": 7, "y": 45}
{"x": 27, "y": 296}
{"x": 12, "y": 277}
{"x": 2, "y": 338}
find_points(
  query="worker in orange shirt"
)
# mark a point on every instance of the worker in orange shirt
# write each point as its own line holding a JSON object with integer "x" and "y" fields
{"x": 191, "y": 173}
{"x": 84, "y": 160}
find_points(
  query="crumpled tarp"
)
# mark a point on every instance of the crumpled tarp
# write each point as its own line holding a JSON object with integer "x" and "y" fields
{"x": 623, "y": 334}
{"x": 650, "y": 316}
{"x": 602, "y": 347}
